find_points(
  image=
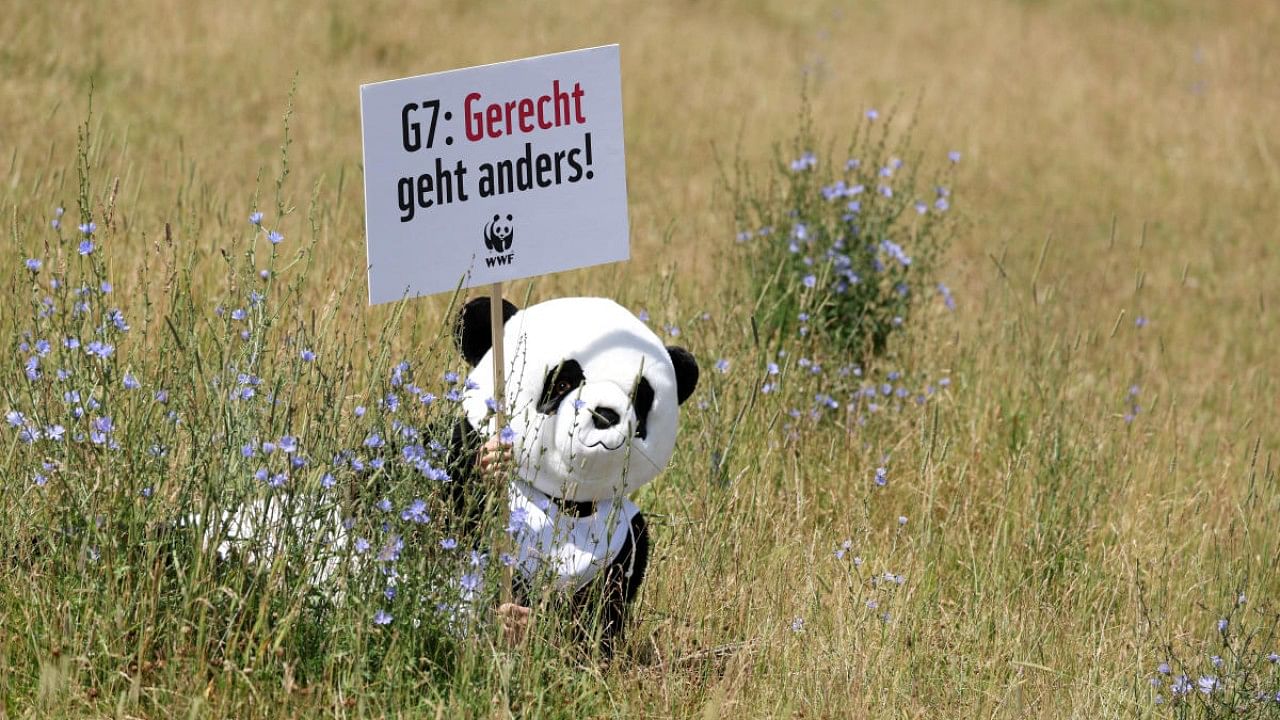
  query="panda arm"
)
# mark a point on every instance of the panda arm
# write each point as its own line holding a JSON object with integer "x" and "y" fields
{"x": 633, "y": 558}
{"x": 466, "y": 488}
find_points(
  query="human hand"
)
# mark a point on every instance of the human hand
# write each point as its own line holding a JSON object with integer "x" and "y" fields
{"x": 515, "y": 623}
{"x": 495, "y": 457}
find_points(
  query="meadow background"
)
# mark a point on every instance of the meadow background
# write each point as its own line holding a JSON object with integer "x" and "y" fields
{"x": 1087, "y": 491}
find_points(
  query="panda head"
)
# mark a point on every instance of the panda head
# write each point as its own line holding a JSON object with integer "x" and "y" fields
{"x": 592, "y": 394}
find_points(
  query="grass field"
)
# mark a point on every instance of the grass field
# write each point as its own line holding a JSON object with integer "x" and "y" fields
{"x": 1090, "y": 493}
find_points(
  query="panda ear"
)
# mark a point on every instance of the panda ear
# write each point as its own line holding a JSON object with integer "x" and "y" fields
{"x": 686, "y": 372}
{"x": 472, "y": 330}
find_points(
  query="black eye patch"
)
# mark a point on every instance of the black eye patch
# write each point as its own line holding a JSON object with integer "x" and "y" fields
{"x": 643, "y": 403}
{"x": 561, "y": 380}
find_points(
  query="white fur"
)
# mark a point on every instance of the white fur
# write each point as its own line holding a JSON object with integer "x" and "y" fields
{"x": 571, "y": 551}
{"x": 564, "y": 454}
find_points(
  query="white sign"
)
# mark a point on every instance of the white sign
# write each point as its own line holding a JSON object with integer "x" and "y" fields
{"x": 494, "y": 173}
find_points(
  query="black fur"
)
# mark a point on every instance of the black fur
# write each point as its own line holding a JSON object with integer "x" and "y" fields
{"x": 561, "y": 380}
{"x": 686, "y": 372}
{"x": 643, "y": 403}
{"x": 472, "y": 333}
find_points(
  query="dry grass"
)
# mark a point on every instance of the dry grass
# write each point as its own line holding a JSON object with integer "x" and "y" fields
{"x": 1121, "y": 159}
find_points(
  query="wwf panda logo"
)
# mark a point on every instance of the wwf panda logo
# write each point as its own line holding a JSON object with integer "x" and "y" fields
{"x": 498, "y": 233}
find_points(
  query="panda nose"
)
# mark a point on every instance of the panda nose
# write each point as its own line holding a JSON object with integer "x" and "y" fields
{"x": 603, "y": 417}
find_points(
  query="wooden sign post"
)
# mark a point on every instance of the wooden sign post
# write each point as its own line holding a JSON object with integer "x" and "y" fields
{"x": 500, "y": 415}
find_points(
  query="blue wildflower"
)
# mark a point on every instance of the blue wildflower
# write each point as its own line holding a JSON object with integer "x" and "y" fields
{"x": 391, "y": 549}
{"x": 517, "y": 520}
{"x": 100, "y": 349}
{"x": 470, "y": 582}
{"x": 843, "y": 549}
{"x": 804, "y": 162}
{"x": 895, "y": 251}
{"x": 947, "y": 298}
{"x": 416, "y": 512}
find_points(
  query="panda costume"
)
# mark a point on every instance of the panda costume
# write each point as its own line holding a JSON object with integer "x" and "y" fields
{"x": 592, "y": 399}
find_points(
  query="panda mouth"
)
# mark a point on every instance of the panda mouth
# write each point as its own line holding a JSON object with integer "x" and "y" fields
{"x": 605, "y": 445}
